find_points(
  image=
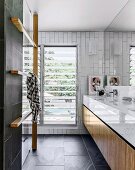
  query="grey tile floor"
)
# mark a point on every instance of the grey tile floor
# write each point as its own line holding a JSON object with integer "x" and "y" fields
{"x": 66, "y": 152}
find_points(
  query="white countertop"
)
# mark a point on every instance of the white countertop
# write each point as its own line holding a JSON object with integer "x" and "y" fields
{"x": 118, "y": 115}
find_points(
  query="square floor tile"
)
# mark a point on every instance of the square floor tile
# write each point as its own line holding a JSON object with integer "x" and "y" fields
{"x": 53, "y": 141}
{"x": 74, "y": 148}
{"x": 72, "y": 138}
{"x": 29, "y": 163}
{"x": 50, "y": 156}
{"x": 77, "y": 163}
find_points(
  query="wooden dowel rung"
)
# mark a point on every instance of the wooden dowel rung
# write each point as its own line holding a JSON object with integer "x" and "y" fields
{"x": 18, "y": 72}
{"x": 18, "y": 24}
{"x": 16, "y": 123}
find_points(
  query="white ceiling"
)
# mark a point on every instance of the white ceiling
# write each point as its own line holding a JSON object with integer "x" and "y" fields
{"x": 75, "y": 15}
{"x": 125, "y": 21}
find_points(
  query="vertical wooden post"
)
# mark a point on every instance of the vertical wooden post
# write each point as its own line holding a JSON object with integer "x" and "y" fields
{"x": 35, "y": 39}
{"x": 35, "y": 71}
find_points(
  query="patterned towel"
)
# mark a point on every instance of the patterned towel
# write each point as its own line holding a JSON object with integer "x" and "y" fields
{"x": 33, "y": 95}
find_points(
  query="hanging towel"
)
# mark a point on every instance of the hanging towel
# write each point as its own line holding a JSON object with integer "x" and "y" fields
{"x": 33, "y": 95}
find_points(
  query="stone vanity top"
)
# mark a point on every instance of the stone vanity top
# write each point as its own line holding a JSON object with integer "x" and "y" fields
{"x": 118, "y": 115}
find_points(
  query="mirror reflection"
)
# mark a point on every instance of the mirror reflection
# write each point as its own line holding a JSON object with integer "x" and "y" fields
{"x": 120, "y": 46}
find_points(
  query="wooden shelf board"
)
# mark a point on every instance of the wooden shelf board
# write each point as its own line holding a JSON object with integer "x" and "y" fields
{"x": 18, "y": 24}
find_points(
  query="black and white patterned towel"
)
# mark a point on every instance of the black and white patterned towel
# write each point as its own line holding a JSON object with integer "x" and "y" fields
{"x": 33, "y": 95}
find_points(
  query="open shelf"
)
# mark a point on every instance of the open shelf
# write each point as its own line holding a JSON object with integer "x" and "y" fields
{"x": 18, "y": 24}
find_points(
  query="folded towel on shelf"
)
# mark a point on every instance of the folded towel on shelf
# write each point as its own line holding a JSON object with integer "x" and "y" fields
{"x": 33, "y": 95}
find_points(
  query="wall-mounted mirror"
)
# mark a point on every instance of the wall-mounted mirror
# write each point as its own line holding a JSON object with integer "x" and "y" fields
{"x": 120, "y": 45}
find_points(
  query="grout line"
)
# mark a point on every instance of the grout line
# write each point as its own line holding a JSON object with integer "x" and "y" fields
{"x": 26, "y": 157}
{"x": 88, "y": 152}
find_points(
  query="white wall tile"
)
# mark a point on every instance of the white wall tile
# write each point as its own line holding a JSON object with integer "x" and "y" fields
{"x": 92, "y": 34}
{"x": 74, "y": 37}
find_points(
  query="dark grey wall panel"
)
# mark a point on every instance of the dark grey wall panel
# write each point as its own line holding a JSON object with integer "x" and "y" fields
{"x": 1, "y": 80}
{"x": 1, "y": 151}
{"x": 1, "y": 19}
{"x": 11, "y": 41}
{"x": 7, "y": 154}
{"x": 1, "y": 74}
{"x": 16, "y": 164}
{"x": 15, "y": 7}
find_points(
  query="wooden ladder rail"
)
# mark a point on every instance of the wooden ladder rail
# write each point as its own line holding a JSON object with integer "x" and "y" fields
{"x": 35, "y": 71}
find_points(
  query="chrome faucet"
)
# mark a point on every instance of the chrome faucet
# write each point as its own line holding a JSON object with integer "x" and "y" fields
{"x": 114, "y": 92}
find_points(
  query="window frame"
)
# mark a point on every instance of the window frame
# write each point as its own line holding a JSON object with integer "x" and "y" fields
{"x": 42, "y": 47}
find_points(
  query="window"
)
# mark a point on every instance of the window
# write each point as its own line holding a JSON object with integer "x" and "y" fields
{"x": 59, "y": 85}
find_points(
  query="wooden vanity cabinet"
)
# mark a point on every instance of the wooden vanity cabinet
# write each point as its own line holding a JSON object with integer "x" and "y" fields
{"x": 118, "y": 154}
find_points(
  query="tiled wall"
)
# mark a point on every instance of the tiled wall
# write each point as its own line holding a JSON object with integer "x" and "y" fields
{"x": 117, "y": 45}
{"x": 88, "y": 64}
{"x": 10, "y": 85}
